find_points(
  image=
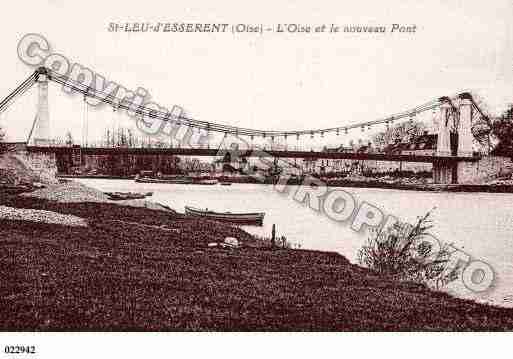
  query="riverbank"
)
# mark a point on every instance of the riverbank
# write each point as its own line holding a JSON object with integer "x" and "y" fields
{"x": 492, "y": 187}
{"x": 426, "y": 187}
{"x": 135, "y": 268}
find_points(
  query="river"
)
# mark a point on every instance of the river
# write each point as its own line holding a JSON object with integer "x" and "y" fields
{"x": 480, "y": 224}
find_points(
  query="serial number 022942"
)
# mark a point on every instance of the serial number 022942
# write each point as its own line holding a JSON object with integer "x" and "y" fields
{"x": 20, "y": 349}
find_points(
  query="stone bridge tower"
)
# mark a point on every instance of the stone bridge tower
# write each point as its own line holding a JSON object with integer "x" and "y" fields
{"x": 453, "y": 117}
{"x": 465, "y": 136}
{"x": 40, "y": 134}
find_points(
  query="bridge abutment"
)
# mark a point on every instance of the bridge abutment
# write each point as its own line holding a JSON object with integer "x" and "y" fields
{"x": 25, "y": 165}
{"x": 472, "y": 172}
{"x": 444, "y": 173}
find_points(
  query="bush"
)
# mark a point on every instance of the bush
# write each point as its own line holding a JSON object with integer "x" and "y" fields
{"x": 408, "y": 253}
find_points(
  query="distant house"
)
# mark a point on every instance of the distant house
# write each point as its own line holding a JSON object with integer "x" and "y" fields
{"x": 231, "y": 165}
{"x": 368, "y": 148}
{"x": 338, "y": 149}
{"x": 424, "y": 145}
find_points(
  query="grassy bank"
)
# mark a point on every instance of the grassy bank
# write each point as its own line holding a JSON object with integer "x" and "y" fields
{"x": 141, "y": 269}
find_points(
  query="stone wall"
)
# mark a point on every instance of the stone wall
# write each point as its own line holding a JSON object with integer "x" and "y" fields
{"x": 373, "y": 165}
{"x": 42, "y": 165}
{"x": 484, "y": 170}
{"x": 20, "y": 166}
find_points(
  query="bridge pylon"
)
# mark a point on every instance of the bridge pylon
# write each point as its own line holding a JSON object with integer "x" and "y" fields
{"x": 447, "y": 172}
{"x": 443, "y": 144}
{"x": 40, "y": 133}
{"x": 465, "y": 137}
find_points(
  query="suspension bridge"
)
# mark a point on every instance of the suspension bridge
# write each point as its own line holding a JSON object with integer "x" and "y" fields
{"x": 459, "y": 116}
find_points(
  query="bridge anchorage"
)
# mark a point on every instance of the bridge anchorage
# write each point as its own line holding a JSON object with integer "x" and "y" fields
{"x": 454, "y": 160}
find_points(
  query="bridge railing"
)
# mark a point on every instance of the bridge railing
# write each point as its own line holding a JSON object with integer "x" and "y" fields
{"x": 276, "y": 151}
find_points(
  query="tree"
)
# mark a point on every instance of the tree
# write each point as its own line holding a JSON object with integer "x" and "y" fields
{"x": 502, "y": 130}
{"x": 398, "y": 131}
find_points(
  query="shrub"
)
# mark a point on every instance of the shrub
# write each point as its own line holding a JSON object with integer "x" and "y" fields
{"x": 407, "y": 252}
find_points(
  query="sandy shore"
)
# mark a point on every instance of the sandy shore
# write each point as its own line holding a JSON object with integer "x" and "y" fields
{"x": 35, "y": 215}
{"x": 75, "y": 192}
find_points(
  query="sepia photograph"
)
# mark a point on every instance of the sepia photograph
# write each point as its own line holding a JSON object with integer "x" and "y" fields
{"x": 260, "y": 172}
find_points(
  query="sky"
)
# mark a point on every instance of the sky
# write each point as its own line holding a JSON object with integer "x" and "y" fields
{"x": 270, "y": 81}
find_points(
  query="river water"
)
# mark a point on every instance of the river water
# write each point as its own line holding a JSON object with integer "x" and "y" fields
{"x": 479, "y": 224}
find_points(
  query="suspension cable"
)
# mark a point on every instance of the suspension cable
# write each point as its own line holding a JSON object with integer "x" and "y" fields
{"x": 114, "y": 101}
{"x": 211, "y": 126}
{"x": 17, "y": 92}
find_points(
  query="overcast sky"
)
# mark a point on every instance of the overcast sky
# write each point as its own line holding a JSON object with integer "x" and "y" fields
{"x": 270, "y": 81}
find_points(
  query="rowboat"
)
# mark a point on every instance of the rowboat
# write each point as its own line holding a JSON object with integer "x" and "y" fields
{"x": 256, "y": 218}
{"x": 205, "y": 181}
{"x": 158, "y": 180}
{"x": 120, "y": 196}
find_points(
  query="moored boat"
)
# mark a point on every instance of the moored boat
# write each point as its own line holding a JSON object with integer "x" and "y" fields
{"x": 162, "y": 180}
{"x": 120, "y": 196}
{"x": 205, "y": 181}
{"x": 256, "y": 218}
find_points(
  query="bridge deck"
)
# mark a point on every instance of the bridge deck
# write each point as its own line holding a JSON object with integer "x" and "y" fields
{"x": 255, "y": 153}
